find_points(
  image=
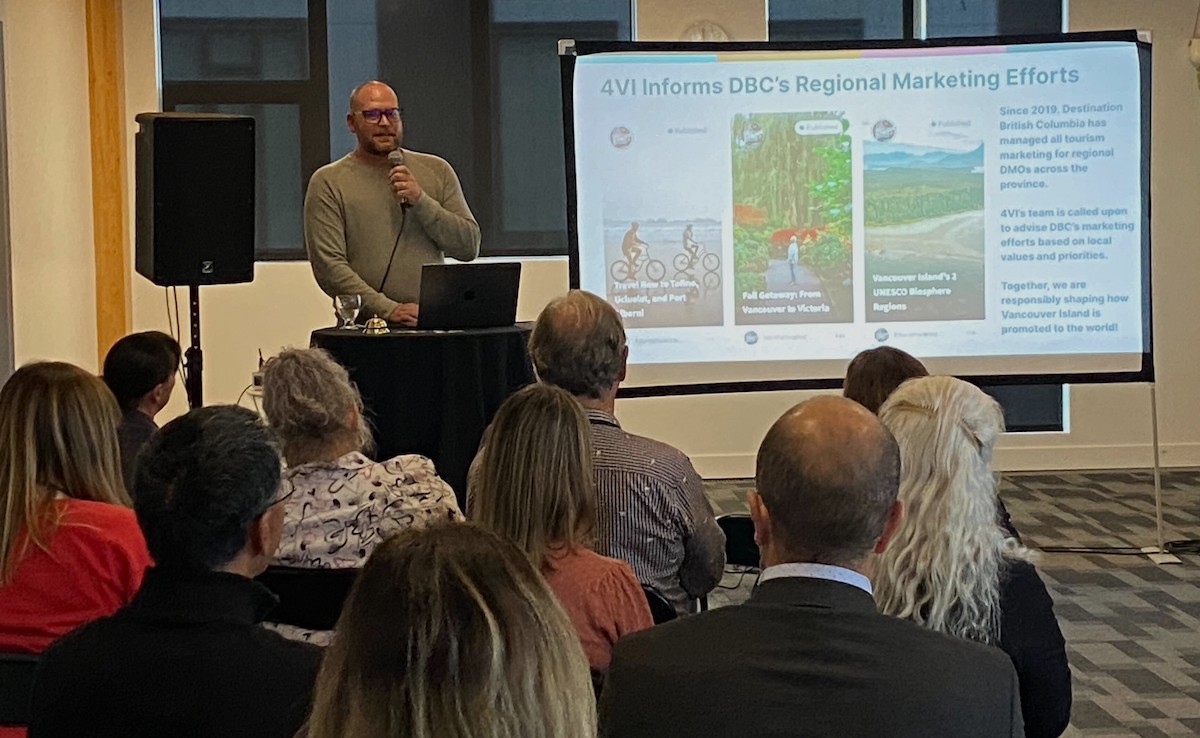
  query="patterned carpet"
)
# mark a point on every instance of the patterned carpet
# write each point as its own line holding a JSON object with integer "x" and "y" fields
{"x": 1132, "y": 627}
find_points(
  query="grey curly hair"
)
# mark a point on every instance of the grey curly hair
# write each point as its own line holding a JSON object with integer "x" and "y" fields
{"x": 308, "y": 398}
{"x": 578, "y": 344}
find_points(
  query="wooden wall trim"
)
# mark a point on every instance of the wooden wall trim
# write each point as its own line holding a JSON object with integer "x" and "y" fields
{"x": 106, "y": 83}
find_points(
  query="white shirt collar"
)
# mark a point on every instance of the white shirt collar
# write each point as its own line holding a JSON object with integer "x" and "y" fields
{"x": 818, "y": 571}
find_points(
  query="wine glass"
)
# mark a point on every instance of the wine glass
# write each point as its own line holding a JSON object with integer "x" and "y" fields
{"x": 347, "y": 307}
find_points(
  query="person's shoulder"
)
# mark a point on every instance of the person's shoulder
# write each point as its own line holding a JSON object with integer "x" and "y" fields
{"x": 100, "y": 520}
{"x": 423, "y": 159}
{"x": 954, "y": 657}
{"x": 414, "y": 464}
{"x": 287, "y": 652}
{"x": 663, "y": 459}
{"x": 674, "y": 638}
{"x": 90, "y": 641}
{"x": 608, "y": 570}
{"x": 334, "y": 170}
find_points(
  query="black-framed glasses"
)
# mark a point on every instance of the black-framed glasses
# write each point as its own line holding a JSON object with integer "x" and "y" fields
{"x": 375, "y": 115}
{"x": 283, "y": 494}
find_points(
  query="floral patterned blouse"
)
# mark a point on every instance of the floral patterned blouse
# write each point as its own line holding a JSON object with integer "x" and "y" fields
{"x": 339, "y": 511}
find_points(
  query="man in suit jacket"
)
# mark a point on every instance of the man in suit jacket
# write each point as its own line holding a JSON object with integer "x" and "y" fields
{"x": 188, "y": 656}
{"x": 809, "y": 654}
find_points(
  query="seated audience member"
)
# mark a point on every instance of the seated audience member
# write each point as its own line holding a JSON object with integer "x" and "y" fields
{"x": 342, "y": 504}
{"x": 951, "y": 568}
{"x": 535, "y": 489}
{"x": 140, "y": 370}
{"x": 70, "y": 547}
{"x": 188, "y": 656}
{"x": 650, "y": 502}
{"x": 809, "y": 654}
{"x": 451, "y": 633}
{"x": 875, "y": 373}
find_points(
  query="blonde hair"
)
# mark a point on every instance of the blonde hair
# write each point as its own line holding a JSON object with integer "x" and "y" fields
{"x": 308, "y": 399}
{"x": 58, "y": 435}
{"x": 942, "y": 569}
{"x": 449, "y": 632}
{"x": 535, "y": 483}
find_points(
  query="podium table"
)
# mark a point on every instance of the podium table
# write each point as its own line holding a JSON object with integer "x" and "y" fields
{"x": 433, "y": 392}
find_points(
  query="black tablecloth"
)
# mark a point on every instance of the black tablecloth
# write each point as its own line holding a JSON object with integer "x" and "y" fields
{"x": 433, "y": 392}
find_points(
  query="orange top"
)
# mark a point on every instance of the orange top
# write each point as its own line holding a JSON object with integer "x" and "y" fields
{"x": 602, "y": 597}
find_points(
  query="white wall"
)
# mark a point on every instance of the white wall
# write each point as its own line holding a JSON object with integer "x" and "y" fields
{"x": 50, "y": 195}
{"x": 53, "y": 262}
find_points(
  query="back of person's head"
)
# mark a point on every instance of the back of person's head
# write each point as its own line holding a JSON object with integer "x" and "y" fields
{"x": 311, "y": 403}
{"x": 139, "y": 363}
{"x": 827, "y": 473}
{"x": 578, "y": 344}
{"x": 942, "y": 569}
{"x": 203, "y": 482}
{"x": 58, "y": 435}
{"x": 450, "y": 632}
{"x": 875, "y": 373}
{"x": 535, "y": 484}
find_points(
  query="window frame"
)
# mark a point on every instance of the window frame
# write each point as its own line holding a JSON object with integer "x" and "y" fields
{"x": 310, "y": 96}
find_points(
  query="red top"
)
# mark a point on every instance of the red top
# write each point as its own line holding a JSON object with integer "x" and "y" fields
{"x": 94, "y": 566}
{"x": 602, "y": 597}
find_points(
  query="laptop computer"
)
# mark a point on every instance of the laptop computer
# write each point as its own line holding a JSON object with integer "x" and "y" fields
{"x": 460, "y": 296}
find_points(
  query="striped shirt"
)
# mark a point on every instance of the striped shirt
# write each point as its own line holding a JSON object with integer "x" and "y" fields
{"x": 652, "y": 512}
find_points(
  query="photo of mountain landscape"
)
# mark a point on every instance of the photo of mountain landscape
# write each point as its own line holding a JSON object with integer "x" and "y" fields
{"x": 923, "y": 211}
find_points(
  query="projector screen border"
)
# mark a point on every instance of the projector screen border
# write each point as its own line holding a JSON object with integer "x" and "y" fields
{"x": 571, "y": 49}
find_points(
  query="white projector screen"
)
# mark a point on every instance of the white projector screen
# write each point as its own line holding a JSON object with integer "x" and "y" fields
{"x": 983, "y": 207}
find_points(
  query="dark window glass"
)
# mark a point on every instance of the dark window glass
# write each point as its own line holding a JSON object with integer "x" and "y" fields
{"x": 279, "y": 191}
{"x": 234, "y": 39}
{"x": 948, "y": 18}
{"x": 835, "y": 20}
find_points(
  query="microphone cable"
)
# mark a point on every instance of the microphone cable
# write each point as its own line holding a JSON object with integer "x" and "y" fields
{"x": 396, "y": 245}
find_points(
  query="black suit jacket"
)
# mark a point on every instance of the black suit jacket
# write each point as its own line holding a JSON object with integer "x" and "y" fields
{"x": 186, "y": 658}
{"x": 806, "y": 657}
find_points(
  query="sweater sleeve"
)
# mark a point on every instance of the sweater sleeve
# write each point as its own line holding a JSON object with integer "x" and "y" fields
{"x": 325, "y": 242}
{"x": 627, "y": 602}
{"x": 1030, "y": 635}
{"x": 447, "y": 219}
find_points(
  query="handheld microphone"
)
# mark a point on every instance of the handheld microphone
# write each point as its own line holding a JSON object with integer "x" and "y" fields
{"x": 396, "y": 159}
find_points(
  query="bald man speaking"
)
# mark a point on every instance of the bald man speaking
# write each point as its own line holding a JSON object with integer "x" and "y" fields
{"x": 374, "y": 217}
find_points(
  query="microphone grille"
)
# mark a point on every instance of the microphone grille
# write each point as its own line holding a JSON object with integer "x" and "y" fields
{"x": 396, "y": 157}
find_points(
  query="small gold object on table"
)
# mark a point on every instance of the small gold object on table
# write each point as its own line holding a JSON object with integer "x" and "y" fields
{"x": 376, "y": 326}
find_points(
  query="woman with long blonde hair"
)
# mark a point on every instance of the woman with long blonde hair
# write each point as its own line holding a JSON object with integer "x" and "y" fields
{"x": 450, "y": 632}
{"x": 71, "y": 550}
{"x": 534, "y": 487}
{"x": 952, "y": 567}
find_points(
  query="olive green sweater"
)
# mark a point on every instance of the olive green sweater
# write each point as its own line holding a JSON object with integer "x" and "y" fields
{"x": 351, "y": 220}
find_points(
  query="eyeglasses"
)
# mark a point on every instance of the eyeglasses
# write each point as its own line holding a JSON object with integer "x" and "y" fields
{"x": 375, "y": 115}
{"x": 286, "y": 490}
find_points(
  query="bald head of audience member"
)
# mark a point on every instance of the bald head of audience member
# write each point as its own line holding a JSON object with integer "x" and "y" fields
{"x": 578, "y": 344}
{"x": 827, "y": 479}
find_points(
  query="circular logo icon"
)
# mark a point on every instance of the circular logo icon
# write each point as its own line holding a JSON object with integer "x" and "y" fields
{"x": 882, "y": 335}
{"x": 751, "y": 337}
{"x": 620, "y": 137}
{"x": 883, "y": 130}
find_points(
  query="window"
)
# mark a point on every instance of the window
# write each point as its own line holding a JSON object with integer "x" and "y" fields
{"x": 479, "y": 80}
{"x": 265, "y": 59}
{"x": 849, "y": 20}
{"x": 838, "y": 20}
{"x": 1026, "y": 407}
{"x": 947, "y": 18}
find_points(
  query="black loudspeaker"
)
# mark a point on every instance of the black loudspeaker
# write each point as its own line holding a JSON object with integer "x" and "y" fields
{"x": 195, "y": 198}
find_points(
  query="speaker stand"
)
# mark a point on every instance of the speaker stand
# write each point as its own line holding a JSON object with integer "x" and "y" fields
{"x": 194, "y": 357}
